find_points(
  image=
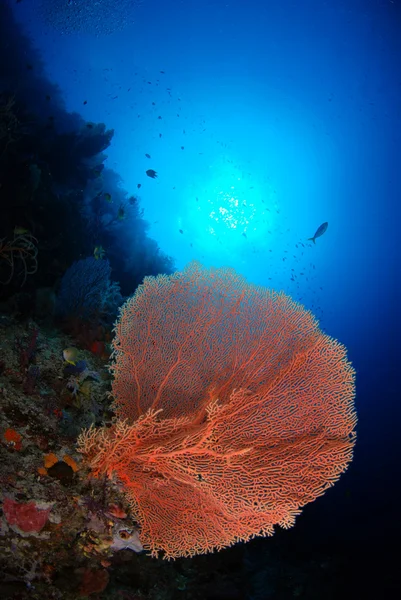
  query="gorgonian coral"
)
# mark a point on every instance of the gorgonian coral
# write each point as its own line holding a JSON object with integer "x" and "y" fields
{"x": 233, "y": 411}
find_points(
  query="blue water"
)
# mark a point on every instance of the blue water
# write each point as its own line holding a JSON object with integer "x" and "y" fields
{"x": 264, "y": 119}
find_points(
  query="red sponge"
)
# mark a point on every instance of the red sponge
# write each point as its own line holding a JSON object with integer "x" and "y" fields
{"x": 26, "y": 516}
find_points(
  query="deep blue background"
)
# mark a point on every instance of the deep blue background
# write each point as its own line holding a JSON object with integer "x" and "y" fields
{"x": 289, "y": 113}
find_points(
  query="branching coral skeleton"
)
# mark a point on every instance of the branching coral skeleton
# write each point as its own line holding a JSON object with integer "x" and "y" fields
{"x": 22, "y": 248}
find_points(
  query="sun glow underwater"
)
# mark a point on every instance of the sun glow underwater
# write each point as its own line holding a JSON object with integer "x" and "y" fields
{"x": 230, "y": 212}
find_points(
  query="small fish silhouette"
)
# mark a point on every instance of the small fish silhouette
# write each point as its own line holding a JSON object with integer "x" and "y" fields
{"x": 319, "y": 232}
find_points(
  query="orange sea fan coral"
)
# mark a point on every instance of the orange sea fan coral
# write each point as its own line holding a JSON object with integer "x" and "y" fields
{"x": 234, "y": 411}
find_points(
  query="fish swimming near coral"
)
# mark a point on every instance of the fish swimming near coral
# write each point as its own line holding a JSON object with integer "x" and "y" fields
{"x": 121, "y": 213}
{"x": 99, "y": 252}
{"x": 71, "y": 355}
{"x": 319, "y": 232}
{"x": 20, "y": 230}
